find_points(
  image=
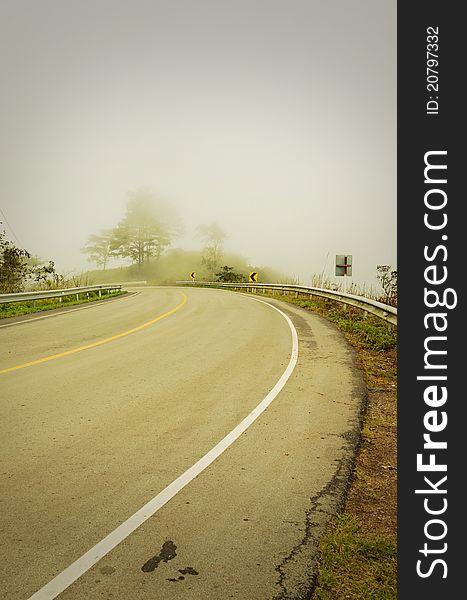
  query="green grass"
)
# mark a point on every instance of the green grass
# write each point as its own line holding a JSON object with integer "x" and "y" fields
{"x": 16, "y": 309}
{"x": 354, "y": 564}
{"x": 369, "y": 331}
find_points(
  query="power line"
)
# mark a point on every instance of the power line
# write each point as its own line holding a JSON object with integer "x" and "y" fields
{"x": 10, "y": 227}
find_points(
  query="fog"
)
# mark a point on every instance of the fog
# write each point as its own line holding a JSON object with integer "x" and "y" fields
{"x": 275, "y": 119}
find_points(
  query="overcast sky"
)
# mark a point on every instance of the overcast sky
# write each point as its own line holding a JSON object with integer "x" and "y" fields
{"x": 275, "y": 118}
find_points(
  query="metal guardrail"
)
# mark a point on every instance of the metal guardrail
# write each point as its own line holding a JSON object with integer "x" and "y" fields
{"x": 44, "y": 294}
{"x": 383, "y": 311}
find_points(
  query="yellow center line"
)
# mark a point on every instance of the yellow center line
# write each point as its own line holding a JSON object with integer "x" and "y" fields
{"x": 99, "y": 343}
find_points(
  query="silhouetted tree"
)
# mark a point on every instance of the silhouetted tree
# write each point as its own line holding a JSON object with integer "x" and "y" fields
{"x": 148, "y": 228}
{"x": 99, "y": 247}
{"x": 228, "y": 275}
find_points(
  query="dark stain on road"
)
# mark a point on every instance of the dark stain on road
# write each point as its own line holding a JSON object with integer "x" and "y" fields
{"x": 168, "y": 552}
{"x": 185, "y": 571}
{"x": 188, "y": 571}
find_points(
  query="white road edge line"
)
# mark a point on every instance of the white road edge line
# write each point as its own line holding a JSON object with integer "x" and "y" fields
{"x": 64, "y": 579}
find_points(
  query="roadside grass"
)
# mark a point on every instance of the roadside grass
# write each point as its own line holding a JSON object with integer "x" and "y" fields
{"x": 367, "y": 331}
{"x": 17, "y": 309}
{"x": 358, "y": 551}
{"x": 355, "y": 564}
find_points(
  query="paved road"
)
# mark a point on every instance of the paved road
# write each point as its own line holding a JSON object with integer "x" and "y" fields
{"x": 103, "y": 408}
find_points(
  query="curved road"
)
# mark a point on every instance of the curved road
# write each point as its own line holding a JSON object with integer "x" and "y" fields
{"x": 104, "y": 407}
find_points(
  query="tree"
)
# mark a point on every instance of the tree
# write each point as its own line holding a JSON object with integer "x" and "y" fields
{"x": 227, "y": 274}
{"x": 99, "y": 248}
{"x": 148, "y": 228}
{"x": 44, "y": 273}
{"x": 19, "y": 268}
{"x": 388, "y": 280}
{"x": 14, "y": 268}
{"x": 214, "y": 237}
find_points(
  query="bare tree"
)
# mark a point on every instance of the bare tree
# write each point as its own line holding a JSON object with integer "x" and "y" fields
{"x": 213, "y": 237}
{"x": 388, "y": 280}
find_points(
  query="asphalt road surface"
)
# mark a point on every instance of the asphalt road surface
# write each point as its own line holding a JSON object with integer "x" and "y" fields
{"x": 113, "y": 483}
